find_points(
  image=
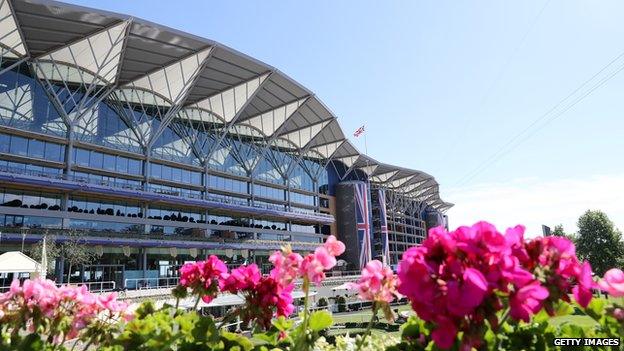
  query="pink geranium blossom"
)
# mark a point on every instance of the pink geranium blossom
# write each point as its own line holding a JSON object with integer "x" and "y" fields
{"x": 613, "y": 282}
{"x": 204, "y": 278}
{"x": 333, "y": 246}
{"x": 377, "y": 283}
{"x": 286, "y": 265}
{"x": 527, "y": 301}
{"x": 242, "y": 278}
{"x": 314, "y": 265}
{"x": 40, "y": 303}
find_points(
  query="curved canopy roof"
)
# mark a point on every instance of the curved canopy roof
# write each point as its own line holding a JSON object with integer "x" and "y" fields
{"x": 203, "y": 79}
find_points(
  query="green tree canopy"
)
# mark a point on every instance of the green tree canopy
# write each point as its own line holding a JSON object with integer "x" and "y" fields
{"x": 558, "y": 231}
{"x": 599, "y": 242}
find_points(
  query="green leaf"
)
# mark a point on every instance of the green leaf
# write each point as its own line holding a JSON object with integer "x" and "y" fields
{"x": 31, "y": 342}
{"x": 596, "y": 307}
{"x": 563, "y": 309}
{"x": 233, "y": 341}
{"x": 320, "y": 320}
{"x": 282, "y": 324}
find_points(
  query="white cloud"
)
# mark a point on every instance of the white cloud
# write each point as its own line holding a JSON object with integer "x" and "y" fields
{"x": 533, "y": 202}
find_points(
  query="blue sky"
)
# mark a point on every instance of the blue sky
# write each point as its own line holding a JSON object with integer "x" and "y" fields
{"x": 442, "y": 85}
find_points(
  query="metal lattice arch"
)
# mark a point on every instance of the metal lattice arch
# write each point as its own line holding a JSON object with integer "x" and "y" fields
{"x": 186, "y": 82}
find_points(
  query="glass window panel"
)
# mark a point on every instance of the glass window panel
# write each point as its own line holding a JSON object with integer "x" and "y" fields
{"x": 109, "y": 162}
{"x": 135, "y": 166}
{"x": 122, "y": 164}
{"x": 196, "y": 178}
{"x": 166, "y": 172}
{"x": 96, "y": 160}
{"x": 5, "y": 142}
{"x": 176, "y": 174}
{"x": 19, "y": 146}
{"x": 156, "y": 170}
{"x": 81, "y": 157}
{"x": 36, "y": 148}
{"x": 54, "y": 152}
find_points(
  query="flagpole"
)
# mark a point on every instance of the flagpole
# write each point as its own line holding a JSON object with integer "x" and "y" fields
{"x": 368, "y": 187}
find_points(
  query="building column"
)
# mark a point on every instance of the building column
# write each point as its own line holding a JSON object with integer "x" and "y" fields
{"x": 144, "y": 261}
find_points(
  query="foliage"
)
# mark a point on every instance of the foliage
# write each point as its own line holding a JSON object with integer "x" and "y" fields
{"x": 559, "y": 231}
{"x": 342, "y": 303}
{"x": 72, "y": 248}
{"x": 38, "y": 315}
{"x": 599, "y": 242}
{"x": 527, "y": 283}
{"x": 53, "y": 251}
{"x": 322, "y": 302}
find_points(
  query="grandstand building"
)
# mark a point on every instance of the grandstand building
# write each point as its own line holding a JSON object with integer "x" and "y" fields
{"x": 158, "y": 147}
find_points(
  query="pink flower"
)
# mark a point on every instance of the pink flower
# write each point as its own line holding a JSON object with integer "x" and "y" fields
{"x": 445, "y": 333}
{"x": 314, "y": 265}
{"x": 527, "y": 301}
{"x": 582, "y": 291}
{"x": 377, "y": 283}
{"x": 267, "y": 299}
{"x": 242, "y": 278}
{"x": 286, "y": 265}
{"x": 312, "y": 269}
{"x": 333, "y": 246}
{"x": 204, "y": 278}
{"x": 613, "y": 282}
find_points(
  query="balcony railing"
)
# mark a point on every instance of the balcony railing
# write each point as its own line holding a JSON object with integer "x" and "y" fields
{"x": 181, "y": 194}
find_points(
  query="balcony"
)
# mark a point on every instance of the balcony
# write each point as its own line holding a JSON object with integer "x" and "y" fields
{"x": 208, "y": 201}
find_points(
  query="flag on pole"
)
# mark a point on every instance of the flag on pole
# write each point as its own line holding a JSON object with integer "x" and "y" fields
{"x": 359, "y": 132}
{"x": 363, "y": 223}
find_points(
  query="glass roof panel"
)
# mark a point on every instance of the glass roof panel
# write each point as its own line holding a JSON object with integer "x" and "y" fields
{"x": 9, "y": 34}
{"x": 382, "y": 178}
{"x": 348, "y": 160}
{"x": 369, "y": 169}
{"x": 229, "y": 103}
{"x": 271, "y": 121}
{"x": 173, "y": 81}
{"x": 328, "y": 149}
{"x": 98, "y": 54}
{"x": 303, "y": 136}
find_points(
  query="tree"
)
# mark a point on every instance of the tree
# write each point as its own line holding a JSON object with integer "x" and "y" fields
{"x": 73, "y": 249}
{"x": 53, "y": 251}
{"x": 559, "y": 231}
{"x": 76, "y": 252}
{"x": 599, "y": 242}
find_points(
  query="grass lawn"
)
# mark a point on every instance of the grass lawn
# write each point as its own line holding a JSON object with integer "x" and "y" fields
{"x": 364, "y": 315}
{"x": 581, "y": 321}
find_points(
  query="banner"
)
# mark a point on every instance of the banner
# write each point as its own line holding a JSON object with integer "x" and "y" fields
{"x": 363, "y": 222}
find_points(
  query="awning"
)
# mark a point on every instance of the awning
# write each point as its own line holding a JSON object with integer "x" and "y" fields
{"x": 17, "y": 262}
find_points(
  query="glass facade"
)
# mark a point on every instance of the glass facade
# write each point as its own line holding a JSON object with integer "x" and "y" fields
{"x": 35, "y": 148}
{"x": 218, "y": 153}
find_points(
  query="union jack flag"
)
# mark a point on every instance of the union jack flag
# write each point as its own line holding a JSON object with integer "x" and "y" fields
{"x": 363, "y": 222}
{"x": 359, "y": 132}
{"x": 385, "y": 255}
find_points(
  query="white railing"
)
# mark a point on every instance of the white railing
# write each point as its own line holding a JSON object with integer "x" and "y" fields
{"x": 102, "y": 286}
{"x": 150, "y": 283}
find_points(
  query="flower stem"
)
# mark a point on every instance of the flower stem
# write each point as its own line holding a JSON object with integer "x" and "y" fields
{"x": 504, "y": 317}
{"x": 306, "y": 289}
{"x": 301, "y": 343}
{"x": 196, "y": 303}
{"x": 368, "y": 329}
